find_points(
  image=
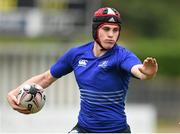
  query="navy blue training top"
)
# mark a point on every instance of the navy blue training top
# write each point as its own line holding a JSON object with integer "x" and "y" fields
{"x": 103, "y": 83}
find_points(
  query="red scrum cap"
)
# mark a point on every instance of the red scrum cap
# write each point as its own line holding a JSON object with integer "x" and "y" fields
{"x": 105, "y": 15}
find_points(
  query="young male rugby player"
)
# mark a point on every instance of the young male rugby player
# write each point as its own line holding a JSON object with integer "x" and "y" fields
{"x": 102, "y": 69}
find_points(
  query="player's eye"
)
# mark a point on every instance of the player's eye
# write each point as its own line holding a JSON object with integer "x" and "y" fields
{"x": 115, "y": 30}
{"x": 106, "y": 29}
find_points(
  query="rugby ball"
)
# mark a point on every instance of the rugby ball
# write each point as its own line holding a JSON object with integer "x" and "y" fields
{"x": 32, "y": 97}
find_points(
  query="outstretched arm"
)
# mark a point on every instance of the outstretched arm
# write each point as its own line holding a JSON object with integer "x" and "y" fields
{"x": 44, "y": 80}
{"x": 147, "y": 70}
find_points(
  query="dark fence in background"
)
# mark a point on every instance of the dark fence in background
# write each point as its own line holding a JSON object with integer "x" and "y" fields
{"x": 163, "y": 93}
{"x": 46, "y": 17}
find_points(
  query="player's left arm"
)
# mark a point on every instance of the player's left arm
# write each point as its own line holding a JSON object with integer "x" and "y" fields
{"x": 147, "y": 70}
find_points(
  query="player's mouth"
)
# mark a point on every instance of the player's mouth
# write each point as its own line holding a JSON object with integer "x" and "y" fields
{"x": 110, "y": 41}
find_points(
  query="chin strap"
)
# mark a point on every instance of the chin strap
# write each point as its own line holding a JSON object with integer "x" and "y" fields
{"x": 98, "y": 42}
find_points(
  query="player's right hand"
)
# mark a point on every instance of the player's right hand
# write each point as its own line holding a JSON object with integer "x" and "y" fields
{"x": 15, "y": 104}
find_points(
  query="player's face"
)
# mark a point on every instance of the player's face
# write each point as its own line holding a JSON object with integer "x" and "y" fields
{"x": 108, "y": 35}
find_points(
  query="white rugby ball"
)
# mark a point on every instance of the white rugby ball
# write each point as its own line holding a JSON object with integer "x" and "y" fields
{"x": 32, "y": 97}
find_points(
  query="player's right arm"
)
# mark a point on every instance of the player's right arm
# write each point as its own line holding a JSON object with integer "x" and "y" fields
{"x": 62, "y": 67}
{"x": 44, "y": 80}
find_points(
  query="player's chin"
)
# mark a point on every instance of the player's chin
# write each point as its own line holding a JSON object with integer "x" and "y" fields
{"x": 109, "y": 45}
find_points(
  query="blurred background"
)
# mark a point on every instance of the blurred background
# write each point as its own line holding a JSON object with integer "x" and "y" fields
{"x": 34, "y": 33}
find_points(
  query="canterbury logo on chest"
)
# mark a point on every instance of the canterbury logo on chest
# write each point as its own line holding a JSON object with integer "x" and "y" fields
{"x": 82, "y": 63}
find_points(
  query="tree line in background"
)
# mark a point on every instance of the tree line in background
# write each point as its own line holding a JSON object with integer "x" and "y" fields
{"x": 150, "y": 18}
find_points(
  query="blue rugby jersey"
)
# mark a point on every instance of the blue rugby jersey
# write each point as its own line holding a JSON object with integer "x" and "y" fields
{"x": 103, "y": 83}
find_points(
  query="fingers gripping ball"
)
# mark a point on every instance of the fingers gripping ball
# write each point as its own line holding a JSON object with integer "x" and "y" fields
{"x": 32, "y": 97}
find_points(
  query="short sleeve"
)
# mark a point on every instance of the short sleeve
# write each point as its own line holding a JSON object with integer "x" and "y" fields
{"x": 128, "y": 60}
{"x": 63, "y": 65}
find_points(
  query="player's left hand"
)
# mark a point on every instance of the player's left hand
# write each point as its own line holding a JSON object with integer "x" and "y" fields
{"x": 149, "y": 67}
